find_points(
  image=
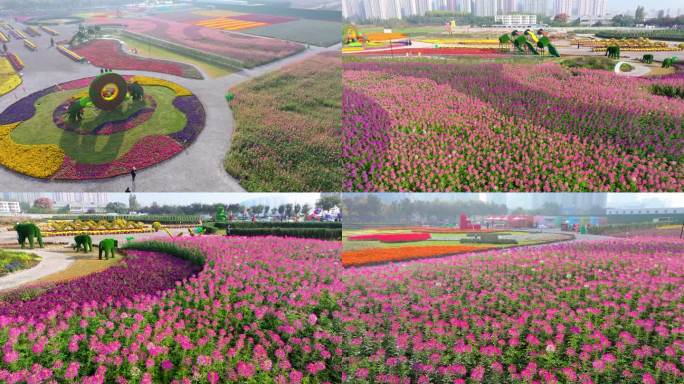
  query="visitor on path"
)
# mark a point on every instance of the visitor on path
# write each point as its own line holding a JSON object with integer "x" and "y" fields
{"x": 133, "y": 173}
{"x": 228, "y": 230}
{"x": 128, "y": 190}
{"x": 52, "y": 42}
{"x": 4, "y": 47}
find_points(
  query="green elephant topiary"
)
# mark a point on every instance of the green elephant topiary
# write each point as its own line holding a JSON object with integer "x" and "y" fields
{"x": 613, "y": 52}
{"x": 83, "y": 241}
{"x": 28, "y": 231}
{"x": 648, "y": 58}
{"x": 108, "y": 246}
{"x": 669, "y": 62}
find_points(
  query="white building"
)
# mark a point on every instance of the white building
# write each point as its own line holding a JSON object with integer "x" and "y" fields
{"x": 10, "y": 207}
{"x": 521, "y": 21}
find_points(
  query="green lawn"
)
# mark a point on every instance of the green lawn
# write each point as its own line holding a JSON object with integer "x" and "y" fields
{"x": 98, "y": 149}
{"x": 150, "y": 50}
{"x": 288, "y": 128}
{"x": 441, "y": 239}
{"x": 314, "y": 32}
{"x": 13, "y": 261}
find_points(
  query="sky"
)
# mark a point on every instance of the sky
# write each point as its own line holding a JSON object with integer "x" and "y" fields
{"x": 212, "y": 198}
{"x": 621, "y": 5}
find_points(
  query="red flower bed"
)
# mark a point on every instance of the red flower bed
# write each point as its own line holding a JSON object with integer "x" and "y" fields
{"x": 249, "y": 50}
{"x": 391, "y": 237}
{"x": 109, "y": 53}
{"x": 15, "y": 61}
{"x": 146, "y": 152}
{"x": 430, "y": 51}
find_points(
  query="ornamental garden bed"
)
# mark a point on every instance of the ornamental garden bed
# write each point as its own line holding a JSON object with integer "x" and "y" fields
{"x": 37, "y": 142}
{"x": 109, "y": 53}
{"x": 187, "y": 38}
{"x": 9, "y": 79}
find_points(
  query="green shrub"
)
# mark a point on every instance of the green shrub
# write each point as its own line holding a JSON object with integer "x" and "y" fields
{"x": 193, "y": 255}
{"x": 275, "y": 224}
{"x": 312, "y": 233}
{"x": 667, "y": 90}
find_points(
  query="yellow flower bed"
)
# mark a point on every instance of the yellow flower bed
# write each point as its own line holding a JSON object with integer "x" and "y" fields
{"x": 145, "y": 80}
{"x": 461, "y": 41}
{"x": 97, "y": 232}
{"x": 8, "y": 77}
{"x": 33, "y": 160}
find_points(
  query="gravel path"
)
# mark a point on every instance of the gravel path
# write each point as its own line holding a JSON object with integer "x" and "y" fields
{"x": 198, "y": 168}
{"x": 51, "y": 262}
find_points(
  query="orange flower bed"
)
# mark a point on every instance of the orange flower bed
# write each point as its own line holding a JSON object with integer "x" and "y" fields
{"x": 381, "y": 255}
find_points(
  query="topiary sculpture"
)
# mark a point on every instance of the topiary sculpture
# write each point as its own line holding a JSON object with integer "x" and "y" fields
{"x": 647, "y": 59}
{"x": 83, "y": 241}
{"x": 28, "y": 231}
{"x": 108, "y": 246}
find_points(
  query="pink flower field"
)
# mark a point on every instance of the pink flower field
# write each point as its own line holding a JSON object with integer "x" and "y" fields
{"x": 249, "y": 50}
{"x": 601, "y": 312}
{"x": 507, "y": 127}
{"x": 283, "y": 310}
{"x": 261, "y": 310}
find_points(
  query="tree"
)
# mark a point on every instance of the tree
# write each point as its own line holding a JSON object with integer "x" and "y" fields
{"x": 281, "y": 209}
{"x": 266, "y": 210}
{"x": 117, "y": 207}
{"x": 640, "y": 15}
{"x": 288, "y": 210}
{"x": 43, "y": 203}
{"x": 133, "y": 203}
{"x": 306, "y": 208}
{"x": 561, "y": 18}
{"x": 328, "y": 201}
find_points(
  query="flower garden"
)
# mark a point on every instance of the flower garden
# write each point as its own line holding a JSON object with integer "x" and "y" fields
{"x": 38, "y": 141}
{"x": 9, "y": 79}
{"x": 261, "y": 310}
{"x": 287, "y": 135}
{"x": 394, "y": 244}
{"x": 109, "y": 53}
{"x": 283, "y": 310}
{"x": 600, "y": 312}
{"x": 505, "y": 126}
{"x": 244, "y": 50}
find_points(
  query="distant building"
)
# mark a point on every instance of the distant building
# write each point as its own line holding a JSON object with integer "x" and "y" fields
{"x": 562, "y": 7}
{"x": 10, "y": 207}
{"x": 536, "y": 7}
{"x": 644, "y": 211}
{"x": 485, "y": 8}
{"x": 520, "y": 21}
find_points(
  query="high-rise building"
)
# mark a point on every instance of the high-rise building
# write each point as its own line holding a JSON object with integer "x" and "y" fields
{"x": 507, "y": 7}
{"x": 535, "y": 7}
{"x": 562, "y": 7}
{"x": 485, "y": 8}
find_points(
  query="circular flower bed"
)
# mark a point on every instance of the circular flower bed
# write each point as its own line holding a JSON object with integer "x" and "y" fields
{"x": 37, "y": 140}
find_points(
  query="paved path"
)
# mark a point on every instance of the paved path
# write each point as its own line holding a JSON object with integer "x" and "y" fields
{"x": 198, "y": 168}
{"x": 51, "y": 262}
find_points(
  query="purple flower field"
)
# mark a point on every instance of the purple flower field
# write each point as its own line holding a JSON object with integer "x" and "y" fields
{"x": 494, "y": 127}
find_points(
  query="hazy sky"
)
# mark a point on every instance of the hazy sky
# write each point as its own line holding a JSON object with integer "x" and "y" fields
{"x": 621, "y": 5}
{"x": 207, "y": 198}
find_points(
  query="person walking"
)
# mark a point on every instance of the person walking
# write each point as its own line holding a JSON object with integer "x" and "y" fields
{"x": 133, "y": 173}
{"x": 52, "y": 42}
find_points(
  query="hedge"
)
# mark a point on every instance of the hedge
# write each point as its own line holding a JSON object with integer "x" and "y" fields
{"x": 313, "y": 233}
{"x": 193, "y": 255}
{"x": 164, "y": 219}
{"x": 618, "y": 228}
{"x": 673, "y": 35}
{"x": 275, "y": 224}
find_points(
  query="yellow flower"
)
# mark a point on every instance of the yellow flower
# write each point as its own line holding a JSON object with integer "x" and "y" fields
{"x": 145, "y": 80}
{"x": 8, "y": 77}
{"x": 33, "y": 160}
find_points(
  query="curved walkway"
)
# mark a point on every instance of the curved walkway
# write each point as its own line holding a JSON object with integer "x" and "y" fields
{"x": 51, "y": 262}
{"x": 198, "y": 168}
